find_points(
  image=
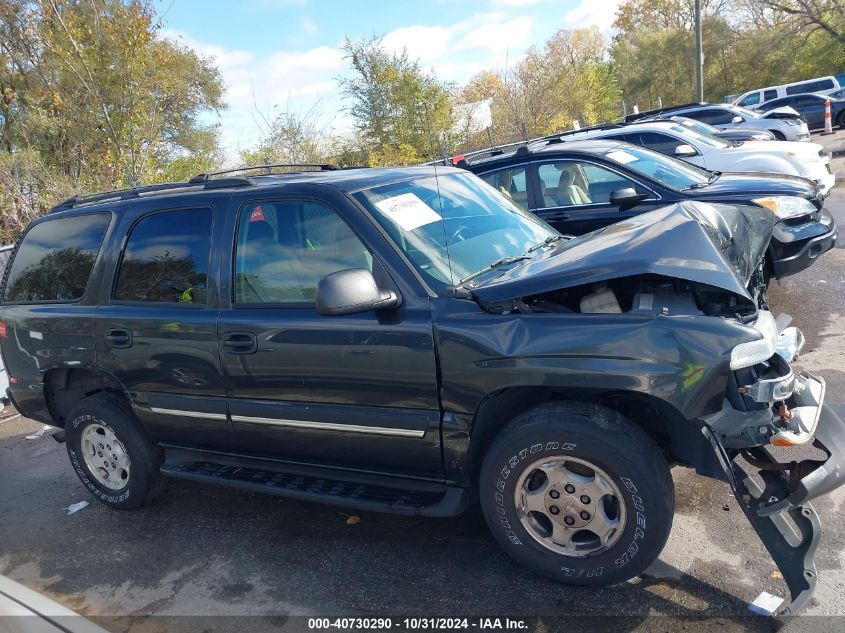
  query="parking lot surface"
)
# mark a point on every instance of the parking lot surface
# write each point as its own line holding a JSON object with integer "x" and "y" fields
{"x": 202, "y": 550}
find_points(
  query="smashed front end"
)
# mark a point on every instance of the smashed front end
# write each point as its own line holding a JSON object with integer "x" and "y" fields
{"x": 686, "y": 285}
{"x": 780, "y": 447}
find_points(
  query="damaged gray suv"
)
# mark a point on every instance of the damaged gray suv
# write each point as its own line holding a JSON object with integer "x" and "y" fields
{"x": 410, "y": 341}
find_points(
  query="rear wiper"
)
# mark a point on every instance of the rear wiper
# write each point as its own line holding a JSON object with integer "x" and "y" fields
{"x": 550, "y": 239}
{"x": 499, "y": 262}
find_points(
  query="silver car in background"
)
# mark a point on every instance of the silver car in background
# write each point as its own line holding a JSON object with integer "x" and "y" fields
{"x": 785, "y": 124}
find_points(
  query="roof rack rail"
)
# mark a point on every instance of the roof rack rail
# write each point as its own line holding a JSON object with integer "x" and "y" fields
{"x": 486, "y": 152}
{"x": 138, "y": 192}
{"x": 205, "y": 177}
{"x": 557, "y": 137}
{"x": 634, "y": 116}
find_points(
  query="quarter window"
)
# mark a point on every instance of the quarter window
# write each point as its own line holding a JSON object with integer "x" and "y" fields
{"x": 166, "y": 259}
{"x": 55, "y": 259}
{"x": 284, "y": 249}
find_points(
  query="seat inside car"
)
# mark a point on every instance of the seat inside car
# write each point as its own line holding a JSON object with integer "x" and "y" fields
{"x": 568, "y": 192}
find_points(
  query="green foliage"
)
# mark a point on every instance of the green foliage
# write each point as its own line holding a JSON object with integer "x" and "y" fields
{"x": 400, "y": 111}
{"x": 95, "y": 98}
{"x": 747, "y": 44}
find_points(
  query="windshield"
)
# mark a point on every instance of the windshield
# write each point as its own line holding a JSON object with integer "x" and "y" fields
{"x": 698, "y": 126}
{"x": 453, "y": 226}
{"x": 746, "y": 112}
{"x": 669, "y": 172}
{"x": 704, "y": 138}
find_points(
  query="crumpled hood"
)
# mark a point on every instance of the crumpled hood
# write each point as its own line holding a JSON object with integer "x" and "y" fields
{"x": 783, "y": 112}
{"x": 719, "y": 245}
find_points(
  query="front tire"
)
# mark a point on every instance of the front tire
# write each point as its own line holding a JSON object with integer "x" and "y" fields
{"x": 111, "y": 453}
{"x": 578, "y": 493}
{"x": 779, "y": 136}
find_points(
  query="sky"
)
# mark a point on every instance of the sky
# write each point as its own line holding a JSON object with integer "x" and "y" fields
{"x": 280, "y": 55}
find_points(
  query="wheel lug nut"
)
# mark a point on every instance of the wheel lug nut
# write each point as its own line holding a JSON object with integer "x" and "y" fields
{"x": 554, "y": 509}
{"x": 585, "y": 499}
{"x": 101, "y": 446}
{"x": 113, "y": 465}
{"x": 115, "y": 457}
{"x": 584, "y": 515}
{"x": 100, "y": 453}
{"x": 554, "y": 494}
{"x": 568, "y": 520}
{"x": 569, "y": 488}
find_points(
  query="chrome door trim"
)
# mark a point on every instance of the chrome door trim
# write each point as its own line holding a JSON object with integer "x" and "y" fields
{"x": 189, "y": 414}
{"x": 330, "y": 426}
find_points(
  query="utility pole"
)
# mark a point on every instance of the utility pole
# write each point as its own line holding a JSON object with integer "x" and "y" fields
{"x": 699, "y": 55}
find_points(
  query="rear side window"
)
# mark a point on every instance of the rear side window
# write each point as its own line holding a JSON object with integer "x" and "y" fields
{"x": 769, "y": 95}
{"x": 166, "y": 259}
{"x": 55, "y": 259}
{"x": 810, "y": 86}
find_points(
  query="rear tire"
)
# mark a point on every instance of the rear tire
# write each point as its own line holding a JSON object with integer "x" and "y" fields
{"x": 111, "y": 452}
{"x": 578, "y": 493}
{"x": 779, "y": 136}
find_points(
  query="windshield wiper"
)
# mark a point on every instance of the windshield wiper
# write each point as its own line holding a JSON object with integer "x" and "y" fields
{"x": 499, "y": 262}
{"x": 700, "y": 185}
{"x": 549, "y": 240}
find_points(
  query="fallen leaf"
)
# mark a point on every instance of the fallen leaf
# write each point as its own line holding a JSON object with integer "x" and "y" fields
{"x": 777, "y": 574}
{"x": 353, "y": 520}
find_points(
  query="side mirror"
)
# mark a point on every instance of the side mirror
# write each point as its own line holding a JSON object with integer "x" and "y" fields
{"x": 626, "y": 197}
{"x": 684, "y": 151}
{"x": 737, "y": 119}
{"x": 352, "y": 291}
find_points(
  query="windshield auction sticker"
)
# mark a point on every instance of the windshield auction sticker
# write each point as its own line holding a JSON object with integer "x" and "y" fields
{"x": 621, "y": 156}
{"x": 408, "y": 211}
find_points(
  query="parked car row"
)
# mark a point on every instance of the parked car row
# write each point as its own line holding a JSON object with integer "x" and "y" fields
{"x": 413, "y": 340}
{"x": 581, "y": 186}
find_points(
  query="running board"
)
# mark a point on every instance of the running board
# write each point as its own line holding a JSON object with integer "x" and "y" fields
{"x": 265, "y": 476}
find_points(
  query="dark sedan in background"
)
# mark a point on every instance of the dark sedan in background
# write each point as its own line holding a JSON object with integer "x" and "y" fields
{"x": 581, "y": 186}
{"x": 811, "y": 107}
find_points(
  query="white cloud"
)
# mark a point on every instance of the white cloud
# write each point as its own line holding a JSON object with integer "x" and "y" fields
{"x": 601, "y": 13}
{"x": 309, "y": 26}
{"x": 497, "y": 36}
{"x": 222, "y": 58}
{"x": 423, "y": 42}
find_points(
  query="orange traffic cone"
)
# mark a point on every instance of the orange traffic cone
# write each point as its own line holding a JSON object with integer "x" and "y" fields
{"x": 828, "y": 125}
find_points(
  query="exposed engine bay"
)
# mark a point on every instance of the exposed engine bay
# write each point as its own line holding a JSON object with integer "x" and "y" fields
{"x": 643, "y": 295}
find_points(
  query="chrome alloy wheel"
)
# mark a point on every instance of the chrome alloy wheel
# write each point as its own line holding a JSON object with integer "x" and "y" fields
{"x": 570, "y": 506}
{"x": 105, "y": 456}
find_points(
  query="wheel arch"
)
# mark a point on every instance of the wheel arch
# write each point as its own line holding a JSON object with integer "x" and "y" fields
{"x": 680, "y": 439}
{"x": 66, "y": 386}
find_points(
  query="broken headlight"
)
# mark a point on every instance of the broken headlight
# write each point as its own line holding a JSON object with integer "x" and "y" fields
{"x": 753, "y": 352}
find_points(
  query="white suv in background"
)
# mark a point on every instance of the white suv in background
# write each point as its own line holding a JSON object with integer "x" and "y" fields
{"x": 808, "y": 160}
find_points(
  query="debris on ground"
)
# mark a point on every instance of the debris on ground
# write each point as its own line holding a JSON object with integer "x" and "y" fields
{"x": 76, "y": 507}
{"x": 765, "y": 604}
{"x": 40, "y": 433}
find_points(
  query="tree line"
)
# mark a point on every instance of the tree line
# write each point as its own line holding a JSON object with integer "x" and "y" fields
{"x": 92, "y": 97}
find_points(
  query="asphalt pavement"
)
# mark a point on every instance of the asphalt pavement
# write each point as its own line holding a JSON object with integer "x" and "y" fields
{"x": 206, "y": 551}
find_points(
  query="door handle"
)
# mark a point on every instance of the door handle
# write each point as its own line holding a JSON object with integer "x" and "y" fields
{"x": 240, "y": 343}
{"x": 119, "y": 338}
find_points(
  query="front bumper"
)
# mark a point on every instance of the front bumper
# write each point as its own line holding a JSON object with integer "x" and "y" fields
{"x": 773, "y": 492}
{"x": 796, "y": 247}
